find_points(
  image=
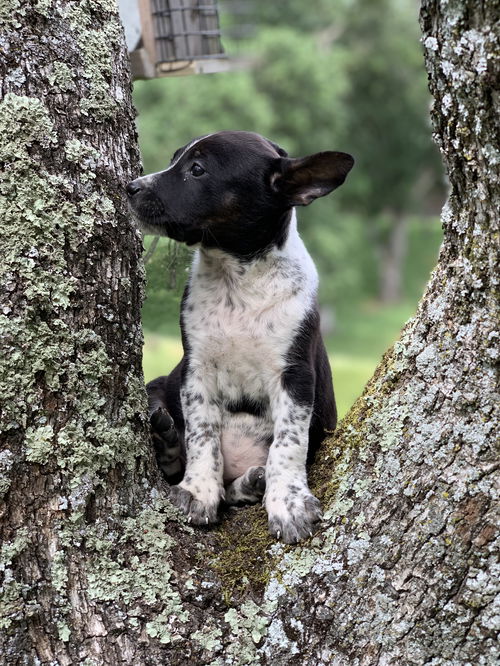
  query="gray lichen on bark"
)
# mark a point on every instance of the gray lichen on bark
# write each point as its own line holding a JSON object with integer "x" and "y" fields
{"x": 69, "y": 318}
{"x": 97, "y": 567}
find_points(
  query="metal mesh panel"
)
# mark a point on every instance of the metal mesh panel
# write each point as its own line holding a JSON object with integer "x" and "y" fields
{"x": 186, "y": 30}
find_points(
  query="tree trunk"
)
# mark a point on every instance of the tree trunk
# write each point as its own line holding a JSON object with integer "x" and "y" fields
{"x": 73, "y": 432}
{"x": 98, "y": 568}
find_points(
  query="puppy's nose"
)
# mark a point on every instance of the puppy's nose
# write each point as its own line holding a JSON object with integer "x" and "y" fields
{"x": 133, "y": 187}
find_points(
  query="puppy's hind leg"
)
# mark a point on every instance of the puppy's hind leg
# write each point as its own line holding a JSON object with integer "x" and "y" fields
{"x": 167, "y": 444}
{"x": 248, "y": 488}
{"x": 167, "y": 440}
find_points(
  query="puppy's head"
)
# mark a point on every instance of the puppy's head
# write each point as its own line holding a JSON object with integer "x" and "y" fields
{"x": 233, "y": 191}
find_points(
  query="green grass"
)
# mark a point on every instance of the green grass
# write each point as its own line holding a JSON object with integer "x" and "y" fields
{"x": 366, "y": 330}
{"x": 363, "y": 333}
{"x": 350, "y": 374}
{"x": 161, "y": 354}
{"x": 166, "y": 274}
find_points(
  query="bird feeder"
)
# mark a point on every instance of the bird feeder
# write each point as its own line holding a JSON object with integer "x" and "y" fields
{"x": 172, "y": 37}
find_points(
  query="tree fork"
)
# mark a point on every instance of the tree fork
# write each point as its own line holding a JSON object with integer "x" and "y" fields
{"x": 97, "y": 567}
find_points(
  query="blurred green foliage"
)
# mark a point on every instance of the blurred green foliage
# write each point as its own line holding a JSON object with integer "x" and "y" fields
{"x": 160, "y": 312}
{"x": 345, "y": 75}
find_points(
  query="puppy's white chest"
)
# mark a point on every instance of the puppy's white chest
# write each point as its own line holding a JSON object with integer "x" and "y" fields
{"x": 240, "y": 320}
{"x": 242, "y": 343}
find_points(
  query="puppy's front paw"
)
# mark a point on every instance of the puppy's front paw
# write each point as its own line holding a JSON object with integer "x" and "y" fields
{"x": 197, "y": 511}
{"x": 293, "y": 517}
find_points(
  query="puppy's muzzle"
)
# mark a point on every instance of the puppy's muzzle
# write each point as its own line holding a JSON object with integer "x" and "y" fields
{"x": 133, "y": 188}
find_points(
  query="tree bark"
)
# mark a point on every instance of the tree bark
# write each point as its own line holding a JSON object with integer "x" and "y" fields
{"x": 97, "y": 567}
{"x": 74, "y": 438}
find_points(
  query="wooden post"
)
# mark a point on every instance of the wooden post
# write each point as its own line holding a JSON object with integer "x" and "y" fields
{"x": 147, "y": 54}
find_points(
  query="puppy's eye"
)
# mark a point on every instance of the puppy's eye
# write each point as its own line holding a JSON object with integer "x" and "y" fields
{"x": 197, "y": 170}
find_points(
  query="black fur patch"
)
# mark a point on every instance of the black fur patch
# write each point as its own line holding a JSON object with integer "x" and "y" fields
{"x": 247, "y": 406}
{"x": 308, "y": 379}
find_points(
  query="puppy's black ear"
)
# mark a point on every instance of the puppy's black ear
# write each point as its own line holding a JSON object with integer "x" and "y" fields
{"x": 305, "y": 179}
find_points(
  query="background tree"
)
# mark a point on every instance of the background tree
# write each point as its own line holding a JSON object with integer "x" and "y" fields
{"x": 398, "y": 171}
{"x": 97, "y": 568}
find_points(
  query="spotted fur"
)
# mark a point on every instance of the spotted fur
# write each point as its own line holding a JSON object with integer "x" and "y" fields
{"x": 252, "y": 396}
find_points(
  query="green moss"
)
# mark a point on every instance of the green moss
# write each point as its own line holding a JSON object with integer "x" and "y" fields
{"x": 327, "y": 476}
{"x": 243, "y": 541}
{"x": 248, "y": 559}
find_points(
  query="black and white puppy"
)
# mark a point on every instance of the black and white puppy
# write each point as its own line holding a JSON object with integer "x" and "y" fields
{"x": 252, "y": 397}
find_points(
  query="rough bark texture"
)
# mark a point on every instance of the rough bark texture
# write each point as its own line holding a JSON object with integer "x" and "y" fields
{"x": 71, "y": 383}
{"x": 98, "y": 569}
